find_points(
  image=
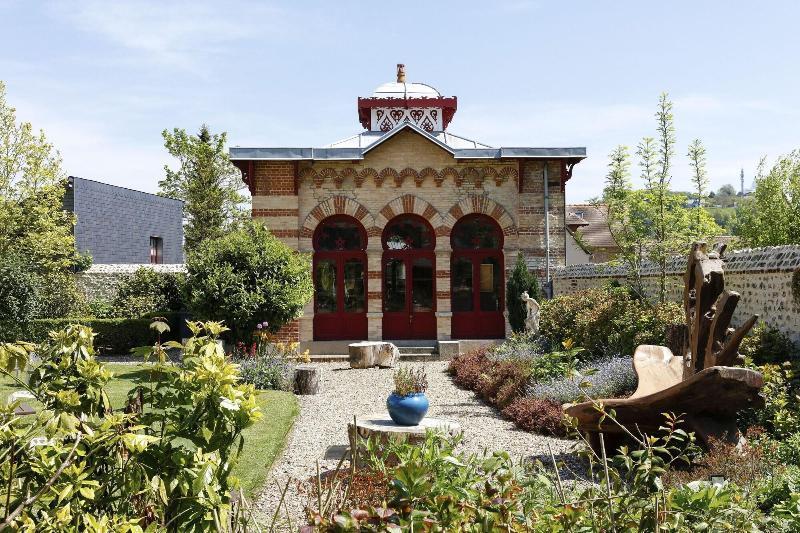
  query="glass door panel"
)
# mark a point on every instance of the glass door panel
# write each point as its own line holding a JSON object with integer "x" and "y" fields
{"x": 325, "y": 286}
{"x": 354, "y": 294}
{"x": 490, "y": 284}
{"x": 422, "y": 285}
{"x": 394, "y": 276}
{"x": 461, "y": 276}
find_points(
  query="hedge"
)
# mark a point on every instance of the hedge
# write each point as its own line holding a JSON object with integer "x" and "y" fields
{"x": 115, "y": 336}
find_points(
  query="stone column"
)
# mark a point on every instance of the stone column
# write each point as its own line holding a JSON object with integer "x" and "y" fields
{"x": 374, "y": 291}
{"x": 444, "y": 314}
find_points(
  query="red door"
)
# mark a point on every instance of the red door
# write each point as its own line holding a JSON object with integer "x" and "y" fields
{"x": 477, "y": 295}
{"x": 476, "y": 277}
{"x": 409, "y": 295}
{"x": 340, "y": 280}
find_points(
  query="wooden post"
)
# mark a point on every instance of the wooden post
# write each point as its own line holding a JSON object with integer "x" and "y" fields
{"x": 306, "y": 379}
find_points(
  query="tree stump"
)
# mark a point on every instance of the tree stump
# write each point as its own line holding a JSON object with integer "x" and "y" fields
{"x": 306, "y": 379}
{"x": 373, "y": 353}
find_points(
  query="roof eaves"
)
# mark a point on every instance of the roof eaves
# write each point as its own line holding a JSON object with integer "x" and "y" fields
{"x": 577, "y": 152}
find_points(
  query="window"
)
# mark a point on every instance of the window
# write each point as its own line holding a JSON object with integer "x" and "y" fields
{"x": 476, "y": 231}
{"x": 408, "y": 232}
{"x": 156, "y": 250}
{"x": 340, "y": 232}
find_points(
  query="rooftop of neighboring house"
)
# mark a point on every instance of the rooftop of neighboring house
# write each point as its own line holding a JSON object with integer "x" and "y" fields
{"x": 589, "y": 221}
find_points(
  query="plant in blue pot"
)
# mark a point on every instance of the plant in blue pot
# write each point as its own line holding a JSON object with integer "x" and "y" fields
{"x": 408, "y": 404}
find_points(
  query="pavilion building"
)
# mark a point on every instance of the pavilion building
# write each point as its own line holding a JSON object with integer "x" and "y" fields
{"x": 412, "y": 228}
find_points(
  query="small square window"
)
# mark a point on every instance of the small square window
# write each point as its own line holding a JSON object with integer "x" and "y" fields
{"x": 156, "y": 250}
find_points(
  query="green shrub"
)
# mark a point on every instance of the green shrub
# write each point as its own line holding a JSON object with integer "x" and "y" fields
{"x": 114, "y": 336}
{"x": 19, "y": 295}
{"x": 147, "y": 291}
{"x": 162, "y": 464}
{"x": 247, "y": 277}
{"x": 521, "y": 280}
{"x": 767, "y": 345}
{"x": 607, "y": 321}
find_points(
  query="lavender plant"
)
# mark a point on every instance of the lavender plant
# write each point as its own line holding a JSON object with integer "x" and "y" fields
{"x": 606, "y": 378}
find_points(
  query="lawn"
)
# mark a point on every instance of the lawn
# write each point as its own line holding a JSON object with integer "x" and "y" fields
{"x": 263, "y": 441}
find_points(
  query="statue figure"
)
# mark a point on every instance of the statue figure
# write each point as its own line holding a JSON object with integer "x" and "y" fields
{"x": 532, "y": 317}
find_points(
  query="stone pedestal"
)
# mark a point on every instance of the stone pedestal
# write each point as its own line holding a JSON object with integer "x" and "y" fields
{"x": 373, "y": 353}
{"x": 382, "y": 427}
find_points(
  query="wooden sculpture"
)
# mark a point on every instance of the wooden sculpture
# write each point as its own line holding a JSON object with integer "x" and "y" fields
{"x": 702, "y": 383}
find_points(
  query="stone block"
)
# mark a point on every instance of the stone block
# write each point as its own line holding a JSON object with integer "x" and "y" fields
{"x": 448, "y": 350}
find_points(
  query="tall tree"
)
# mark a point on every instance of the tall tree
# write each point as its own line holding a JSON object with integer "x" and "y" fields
{"x": 35, "y": 231}
{"x": 206, "y": 181}
{"x": 646, "y": 152}
{"x": 33, "y": 223}
{"x": 771, "y": 217}
{"x": 697, "y": 162}
{"x": 651, "y": 223}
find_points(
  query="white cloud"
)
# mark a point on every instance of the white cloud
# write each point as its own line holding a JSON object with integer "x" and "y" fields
{"x": 173, "y": 33}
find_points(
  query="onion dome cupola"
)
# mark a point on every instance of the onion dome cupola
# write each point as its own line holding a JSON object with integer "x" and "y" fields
{"x": 398, "y": 102}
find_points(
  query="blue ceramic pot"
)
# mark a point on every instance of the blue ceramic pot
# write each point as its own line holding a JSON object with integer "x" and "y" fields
{"x": 407, "y": 410}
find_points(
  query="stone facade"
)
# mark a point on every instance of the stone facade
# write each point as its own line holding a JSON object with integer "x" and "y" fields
{"x": 411, "y": 166}
{"x": 763, "y": 276}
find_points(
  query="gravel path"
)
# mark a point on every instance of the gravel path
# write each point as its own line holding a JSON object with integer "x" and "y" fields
{"x": 320, "y": 430}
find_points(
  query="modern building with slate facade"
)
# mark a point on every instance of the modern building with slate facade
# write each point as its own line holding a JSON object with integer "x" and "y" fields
{"x": 118, "y": 225}
{"x": 412, "y": 229}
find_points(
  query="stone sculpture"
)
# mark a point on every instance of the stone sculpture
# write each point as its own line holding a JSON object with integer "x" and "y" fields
{"x": 701, "y": 383}
{"x": 532, "y": 316}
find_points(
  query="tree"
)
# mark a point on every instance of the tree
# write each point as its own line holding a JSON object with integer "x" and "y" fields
{"x": 652, "y": 223}
{"x": 522, "y": 279}
{"x": 34, "y": 228}
{"x": 246, "y": 277}
{"x": 697, "y": 162}
{"x": 206, "y": 181}
{"x": 771, "y": 217}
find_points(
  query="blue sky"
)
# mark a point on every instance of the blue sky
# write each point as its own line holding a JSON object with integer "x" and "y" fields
{"x": 104, "y": 78}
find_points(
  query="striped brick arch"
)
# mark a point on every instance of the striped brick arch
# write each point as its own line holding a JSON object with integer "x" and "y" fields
{"x": 336, "y": 205}
{"x": 487, "y": 206}
{"x": 409, "y": 203}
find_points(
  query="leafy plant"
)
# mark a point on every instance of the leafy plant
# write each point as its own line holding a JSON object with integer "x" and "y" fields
{"x": 19, "y": 293}
{"x": 606, "y": 378}
{"x": 767, "y": 345}
{"x": 162, "y": 464}
{"x": 246, "y": 277}
{"x": 408, "y": 381}
{"x": 147, "y": 291}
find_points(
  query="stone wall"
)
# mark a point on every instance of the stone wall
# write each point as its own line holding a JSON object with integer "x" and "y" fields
{"x": 100, "y": 281}
{"x": 763, "y": 276}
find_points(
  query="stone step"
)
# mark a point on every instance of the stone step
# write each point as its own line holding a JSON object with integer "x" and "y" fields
{"x": 417, "y": 349}
{"x": 419, "y": 356}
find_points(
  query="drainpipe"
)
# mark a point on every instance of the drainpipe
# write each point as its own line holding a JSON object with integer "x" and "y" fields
{"x": 546, "y": 227}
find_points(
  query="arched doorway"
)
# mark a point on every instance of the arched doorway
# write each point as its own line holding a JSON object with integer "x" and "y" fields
{"x": 476, "y": 277}
{"x": 340, "y": 281}
{"x": 409, "y": 279}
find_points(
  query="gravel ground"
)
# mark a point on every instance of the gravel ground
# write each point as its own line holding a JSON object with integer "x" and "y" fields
{"x": 320, "y": 432}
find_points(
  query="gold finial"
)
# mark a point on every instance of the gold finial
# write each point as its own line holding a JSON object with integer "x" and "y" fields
{"x": 401, "y": 73}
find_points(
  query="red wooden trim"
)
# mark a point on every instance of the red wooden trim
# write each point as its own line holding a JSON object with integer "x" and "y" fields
{"x": 467, "y": 218}
{"x": 248, "y": 171}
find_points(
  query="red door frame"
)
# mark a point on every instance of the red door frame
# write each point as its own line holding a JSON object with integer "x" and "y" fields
{"x": 477, "y": 324}
{"x": 341, "y": 325}
{"x": 408, "y": 324}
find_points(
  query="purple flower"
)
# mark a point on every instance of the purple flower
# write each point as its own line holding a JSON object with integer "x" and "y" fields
{"x": 265, "y": 324}
{"x": 258, "y": 326}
